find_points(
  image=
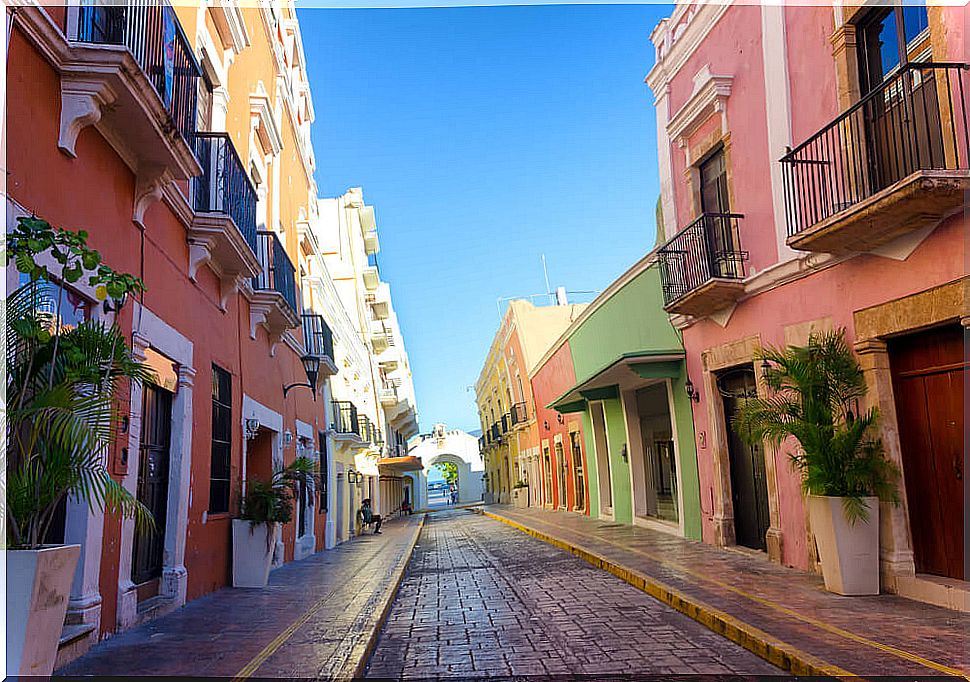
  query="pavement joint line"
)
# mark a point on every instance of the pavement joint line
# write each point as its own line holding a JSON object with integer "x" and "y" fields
{"x": 760, "y": 643}
{"x": 899, "y": 653}
{"x": 271, "y": 648}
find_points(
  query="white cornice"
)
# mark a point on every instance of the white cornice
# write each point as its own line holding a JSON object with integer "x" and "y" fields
{"x": 264, "y": 120}
{"x": 228, "y": 17}
{"x": 709, "y": 96}
{"x": 677, "y": 38}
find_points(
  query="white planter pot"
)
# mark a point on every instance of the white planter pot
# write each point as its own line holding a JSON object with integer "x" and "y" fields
{"x": 38, "y": 588}
{"x": 849, "y": 552}
{"x": 252, "y": 553}
{"x": 520, "y": 497}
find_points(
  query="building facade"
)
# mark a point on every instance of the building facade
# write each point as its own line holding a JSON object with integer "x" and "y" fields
{"x": 444, "y": 445}
{"x": 612, "y": 388}
{"x": 814, "y": 174}
{"x": 511, "y": 440}
{"x": 179, "y": 140}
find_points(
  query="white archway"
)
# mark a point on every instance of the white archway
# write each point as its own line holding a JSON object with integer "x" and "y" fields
{"x": 457, "y": 447}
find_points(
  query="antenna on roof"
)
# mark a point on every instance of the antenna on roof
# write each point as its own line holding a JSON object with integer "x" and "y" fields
{"x": 545, "y": 273}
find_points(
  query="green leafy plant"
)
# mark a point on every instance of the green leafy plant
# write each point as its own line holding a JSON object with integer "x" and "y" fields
{"x": 449, "y": 471}
{"x": 814, "y": 390}
{"x": 63, "y": 385}
{"x": 520, "y": 484}
{"x": 272, "y": 501}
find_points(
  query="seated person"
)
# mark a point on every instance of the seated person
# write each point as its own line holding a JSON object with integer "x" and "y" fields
{"x": 406, "y": 508}
{"x": 368, "y": 516}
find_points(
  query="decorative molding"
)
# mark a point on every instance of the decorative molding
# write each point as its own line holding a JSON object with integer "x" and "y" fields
{"x": 231, "y": 25}
{"x": 82, "y": 102}
{"x": 149, "y": 185}
{"x": 264, "y": 121}
{"x": 708, "y": 97}
{"x": 678, "y": 37}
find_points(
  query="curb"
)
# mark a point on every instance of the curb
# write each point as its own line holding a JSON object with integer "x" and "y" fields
{"x": 356, "y": 663}
{"x": 755, "y": 640}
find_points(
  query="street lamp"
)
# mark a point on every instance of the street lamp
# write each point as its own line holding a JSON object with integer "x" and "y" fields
{"x": 311, "y": 365}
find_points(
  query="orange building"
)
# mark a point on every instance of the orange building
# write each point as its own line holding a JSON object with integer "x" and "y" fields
{"x": 180, "y": 140}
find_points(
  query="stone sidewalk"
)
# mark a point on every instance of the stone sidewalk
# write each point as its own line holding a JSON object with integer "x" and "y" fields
{"x": 782, "y": 614}
{"x": 318, "y": 617}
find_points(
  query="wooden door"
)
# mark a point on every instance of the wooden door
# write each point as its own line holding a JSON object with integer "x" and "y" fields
{"x": 749, "y": 485}
{"x": 152, "y": 491}
{"x": 928, "y": 371}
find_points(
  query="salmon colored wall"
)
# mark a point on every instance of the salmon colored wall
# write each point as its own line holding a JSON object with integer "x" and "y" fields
{"x": 811, "y": 69}
{"x": 550, "y": 381}
{"x": 835, "y": 292}
{"x": 220, "y": 337}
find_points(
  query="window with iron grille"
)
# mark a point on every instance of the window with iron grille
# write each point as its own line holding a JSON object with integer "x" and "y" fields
{"x": 220, "y": 473}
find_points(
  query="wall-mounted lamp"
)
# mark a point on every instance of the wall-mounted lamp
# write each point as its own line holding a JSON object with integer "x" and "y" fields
{"x": 114, "y": 305}
{"x": 560, "y": 418}
{"x": 311, "y": 365}
{"x": 287, "y": 438}
{"x": 545, "y": 424}
{"x": 252, "y": 428}
{"x": 692, "y": 393}
{"x": 765, "y": 369}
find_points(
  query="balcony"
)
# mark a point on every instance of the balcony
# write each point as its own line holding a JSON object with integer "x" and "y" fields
{"x": 895, "y": 162}
{"x": 389, "y": 394}
{"x": 346, "y": 424}
{"x": 366, "y": 429}
{"x": 379, "y": 337}
{"x": 130, "y": 71}
{"x": 481, "y": 443}
{"x": 371, "y": 277}
{"x": 702, "y": 266}
{"x": 274, "y": 290}
{"x": 223, "y": 230}
{"x": 520, "y": 415}
{"x": 506, "y": 422}
{"x": 318, "y": 341}
{"x": 387, "y": 363}
{"x": 495, "y": 433}
{"x": 380, "y": 308}
{"x": 371, "y": 243}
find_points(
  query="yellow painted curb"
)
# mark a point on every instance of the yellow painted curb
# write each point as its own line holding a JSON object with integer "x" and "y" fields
{"x": 357, "y": 668}
{"x": 755, "y": 640}
{"x": 360, "y": 663}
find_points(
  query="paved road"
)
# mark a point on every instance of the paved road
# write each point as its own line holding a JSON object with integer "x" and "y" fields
{"x": 482, "y": 599}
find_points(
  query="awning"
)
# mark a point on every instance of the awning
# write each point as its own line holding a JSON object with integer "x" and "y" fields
{"x": 400, "y": 464}
{"x": 629, "y": 371}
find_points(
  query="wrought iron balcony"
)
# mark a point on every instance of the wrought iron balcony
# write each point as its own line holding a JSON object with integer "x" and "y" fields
{"x": 506, "y": 422}
{"x": 481, "y": 443}
{"x": 520, "y": 414}
{"x": 702, "y": 266}
{"x": 894, "y": 162}
{"x": 318, "y": 341}
{"x": 224, "y": 186}
{"x": 366, "y": 431}
{"x": 154, "y": 37}
{"x": 223, "y": 230}
{"x": 345, "y": 419}
{"x": 496, "y": 434}
{"x": 278, "y": 273}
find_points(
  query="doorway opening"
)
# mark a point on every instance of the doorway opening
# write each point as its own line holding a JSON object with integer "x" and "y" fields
{"x": 749, "y": 481}
{"x": 603, "y": 468}
{"x": 657, "y": 495}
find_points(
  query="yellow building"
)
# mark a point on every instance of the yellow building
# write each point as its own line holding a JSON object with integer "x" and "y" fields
{"x": 503, "y": 394}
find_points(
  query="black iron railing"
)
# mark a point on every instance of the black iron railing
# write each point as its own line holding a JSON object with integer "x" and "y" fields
{"x": 916, "y": 120}
{"x": 520, "y": 414}
{"x": 345, "y": 418}
{"x": 481, "y": 442}
{"x": 224, "y": 186}
{"x": 366, "y": 432}
{"x": 496, "y": 435}
{"x": 708, "y": 248}
{"x": 317, "y": 337}
{"x": 278, "y": 273}
{"x": 506, "y": 422}
{"x": 153, "y": 35}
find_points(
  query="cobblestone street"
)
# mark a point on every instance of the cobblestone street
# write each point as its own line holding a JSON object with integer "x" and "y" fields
{"x": 484, "y": 599}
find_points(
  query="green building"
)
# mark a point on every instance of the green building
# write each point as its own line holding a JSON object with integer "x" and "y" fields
{"x": 641, "y": 461}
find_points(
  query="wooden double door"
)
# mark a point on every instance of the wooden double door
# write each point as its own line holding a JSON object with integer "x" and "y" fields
{"x": 929, "y": 370}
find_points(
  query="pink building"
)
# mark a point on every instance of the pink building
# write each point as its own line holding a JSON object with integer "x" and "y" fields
{"x": 814, "y": 175}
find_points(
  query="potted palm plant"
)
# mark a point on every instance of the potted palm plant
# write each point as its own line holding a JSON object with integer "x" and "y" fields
{"x": 264, "y": 507}
{"x": 815, "y": 391}
{"x": 62, "y": 382}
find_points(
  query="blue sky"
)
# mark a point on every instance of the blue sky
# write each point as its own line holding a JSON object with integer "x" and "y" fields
{"x": 486, "y": 137}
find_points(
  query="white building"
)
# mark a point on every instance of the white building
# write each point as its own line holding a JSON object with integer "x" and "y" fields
{"x": 458, "y": 448}
{"x": 372, "y": 398}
